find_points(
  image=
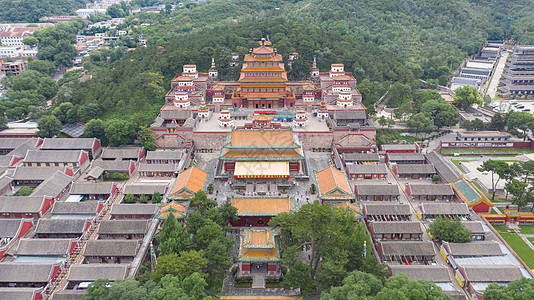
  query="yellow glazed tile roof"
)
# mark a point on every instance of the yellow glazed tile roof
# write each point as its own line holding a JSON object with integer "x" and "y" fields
{"x": 330, "y": 179}
{"x": 192, "y": 179}
{"x": 262, "y": 206}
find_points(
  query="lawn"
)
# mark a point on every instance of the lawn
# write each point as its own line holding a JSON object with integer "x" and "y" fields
{"x": 457, "y": 162}
{"x": 527, "y": 229}
{"x": 520, "y": 247}
{"x": 491, "y": 151}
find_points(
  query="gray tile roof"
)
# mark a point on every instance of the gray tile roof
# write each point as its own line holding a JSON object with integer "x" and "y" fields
{"x": 21, "y": 204}
{"x": 397, "y": 227}
{"x": 69, "y": 295}
{"x": 21, "y": 150}
{"x": 91, "y": 188}
{"x": 95, "y": 172}
{"x": 60, "y": 226}
{"x": 134, "y": 209}
{"x": 53, "y": 156}
{"x": 5, "y": 180}
{"x": 111, "y": 248}
{"x": 123, "y": 227}
{"x": 377, "y": 189}
{"x": 35, "y": 173}
{"x": 68, "y": 143}
{"x": 92, "y": 272}
{"x": 147, "y": 189}
{"x": 350, "y": 115}
{"x": 25, "y": 272}
{"x": 121, "y": 153}
{"x": 112, "y": 166}
{"x": 474, "y": 226}
{"x": 405, "y": 157}
{"x": 479, "y": 248}
{"x": 367, "y": 169}
{"x": 174, "y": 114}
{"x": 13, "y": 143}
{"x": 75, "y": 208}
{"x": 415, "y": 169}
{"x": 398, "y": 147}
{"x": 489, "y": 273}
{"x": 165, "y": 154}
{"x": 431, "y": 189}
{"x": 387, "y": 209}
{"x": 9, "y": 227}
{"x": 433, "y": 273}
{"x": 407, "y": 248}
{"x": 158, "y": 167}
{"x": 45, "y": 247}
{"x": 23, "y": 293}
{"x": 443, "y": 169}
{"x": 361, "y": 157}
{"x": 445, "y": 209}
{"x": 53, "y": 186}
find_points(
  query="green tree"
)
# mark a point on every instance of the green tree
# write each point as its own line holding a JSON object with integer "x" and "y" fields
{"x": 399, "y": 94}
{"x": 516, "y": 290}
{"x": 476, "y": 125}
{"x": 30, "y": 41}
{"x": 357, "y": 285}
{"x": 42, "y": 66}
{"x": 49, "y": 126}
{"x": 143, "y": 198}
{"x": 498, "y": 122}
{"x": 147, "y": 138}
{"x": 329, "y": 236}
{"x": 173, "y": 237}
{"x": 496, "y": 167}
{"x": 24, "y": 191}
{"x": 61, "y": 112}
{"x": 466, "y": 96}
{"x": 519, "y": 123}
{"x": 94, "y": 128}
{"x": 519, "y": 190}
{"x": 119, "y": 132}
{"x": 181, "y": 266}
{"x": 156, "y": 197}
{"x": 400, "y": 287}
{"x": 130, "y": 198}
{"x": 3, "y": 122}
{"x": 420, "y": 124}
{"x": 404, "y": 111}
{"x": 449, "y": 230}
{"x": 194, "y": 286}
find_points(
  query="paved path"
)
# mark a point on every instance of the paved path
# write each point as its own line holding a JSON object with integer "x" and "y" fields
{"x": 138, "y": 260}
{"x": 497, "y": 73}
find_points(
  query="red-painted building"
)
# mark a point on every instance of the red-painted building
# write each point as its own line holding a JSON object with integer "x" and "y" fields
{"x": 406, "y": 252}
{"x": 133, "y": 211}
{"x": 414, "y": 171}
{"x": 90, "y": 145}
{"x": 11, "y": 230}
{"x": 400, "y": 148}
{"x": 405, "y": 158}
{"x": 56, "y": 158}
{"x": 110, "y": 251}
{"x": 396, "y": 231}
{"x": 259, "y": 211}
{"x": 27, "y": 274}
{"x": 429, "y": 192}
{"x": 366, "y": 171}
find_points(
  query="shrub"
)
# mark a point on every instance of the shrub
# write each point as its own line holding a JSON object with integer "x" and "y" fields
{"x": 143, "y": 198}
{"x": 130, "y": 198}
{"x": 156, "y": 197}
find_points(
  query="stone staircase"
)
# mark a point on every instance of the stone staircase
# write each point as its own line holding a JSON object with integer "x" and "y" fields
{"x": 258, "y": 281}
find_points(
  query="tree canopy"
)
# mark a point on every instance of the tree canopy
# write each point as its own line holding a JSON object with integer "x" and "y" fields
{"x": 334, "y": 243}
{"x": 449, "y": 230}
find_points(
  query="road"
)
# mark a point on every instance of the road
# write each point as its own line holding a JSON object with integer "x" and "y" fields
{"x": 497, "y": 73}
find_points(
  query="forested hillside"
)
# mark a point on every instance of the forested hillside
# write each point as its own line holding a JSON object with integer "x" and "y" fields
{"x": 138, "y": 81}
{"x": 33, "y": 10}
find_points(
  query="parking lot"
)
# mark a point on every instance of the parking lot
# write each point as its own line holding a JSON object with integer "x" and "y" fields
{"x": 505, "y": 106}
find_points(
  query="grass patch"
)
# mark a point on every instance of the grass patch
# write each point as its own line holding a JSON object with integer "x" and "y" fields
{"x": 527, "y": 229}
{"x": 494, "y": 212}
{"x": 520, "y": 247}
{"x": 500, "y": 228}
{"x": 457, "y": 162}
{"x": 490, "y": 151}
{"x": 531, "y": 239}
{"x": 243, "y": 285}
